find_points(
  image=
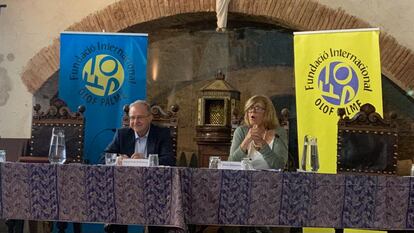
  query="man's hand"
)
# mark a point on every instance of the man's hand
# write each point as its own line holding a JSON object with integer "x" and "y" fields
{"x": 120, "y": 158}
{"x": 138, "y": 156}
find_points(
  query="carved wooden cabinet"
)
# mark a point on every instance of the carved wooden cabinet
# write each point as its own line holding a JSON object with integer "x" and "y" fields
{"x": 212, "y": 141}
{"x": 216, "y": 102}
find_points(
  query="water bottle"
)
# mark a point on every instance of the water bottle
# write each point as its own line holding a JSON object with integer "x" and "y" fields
{"x": 310, "y": 155}
{"x": 314, "y": 155}
{"x": 305, "y": 161}
{"x": 57, "y": 150}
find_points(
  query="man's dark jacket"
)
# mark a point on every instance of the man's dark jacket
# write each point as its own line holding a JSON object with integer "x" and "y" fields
{"x": 158, "y": 142}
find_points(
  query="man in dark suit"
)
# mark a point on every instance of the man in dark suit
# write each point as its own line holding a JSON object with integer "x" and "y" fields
{"x": 137, "y": 141}
{"x": 142, "y": 138}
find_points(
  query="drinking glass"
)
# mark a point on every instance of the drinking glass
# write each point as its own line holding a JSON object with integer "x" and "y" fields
{"x": 110, "y": 158}
{"x": 57, "y": 149}
{"x": 412, "y": 170}
{"x": 2, "y": 156}
{"x": 214, "y": 162}
{"x": 246, "y": 164}
{"x": 153, "y": 160}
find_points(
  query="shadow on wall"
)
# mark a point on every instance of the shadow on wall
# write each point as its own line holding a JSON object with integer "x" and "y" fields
{"x": 5, "y": 83}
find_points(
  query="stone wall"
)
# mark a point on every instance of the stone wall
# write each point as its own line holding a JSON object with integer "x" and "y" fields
{"x": 180, "y": 62}
{"x": 29, "y": 48}
{"x": 255, "y": 61}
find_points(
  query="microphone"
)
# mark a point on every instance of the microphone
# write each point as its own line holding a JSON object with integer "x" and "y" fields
{"x": 290, "y": 156}
{"x": 94, "y": 139}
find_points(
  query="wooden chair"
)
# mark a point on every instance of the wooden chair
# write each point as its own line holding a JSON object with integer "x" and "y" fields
{"x": 14, "y": 147}
{"x": 58, "y": 115}
{"x": 367, "y": 143}
{"x": 168, "y": 119}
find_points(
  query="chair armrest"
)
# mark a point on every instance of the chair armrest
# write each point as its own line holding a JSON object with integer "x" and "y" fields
{"x": 33, "y": 159}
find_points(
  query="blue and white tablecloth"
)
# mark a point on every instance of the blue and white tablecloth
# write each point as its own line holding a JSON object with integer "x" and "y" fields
{"x": 176, "y": 197}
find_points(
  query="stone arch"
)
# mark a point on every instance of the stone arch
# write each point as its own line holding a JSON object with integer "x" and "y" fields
{"x": 397, "y": 61}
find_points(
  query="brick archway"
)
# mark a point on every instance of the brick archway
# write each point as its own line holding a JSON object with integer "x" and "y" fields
{"x": 397, "y": 61}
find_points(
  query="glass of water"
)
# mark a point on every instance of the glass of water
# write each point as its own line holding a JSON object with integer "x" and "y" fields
{"x": 214, "y": 162}
{"x": 2, "y": 156}
{"x": 153, "y": 160}
{"x": 110, "y": 158}
{"x": 246, "y": 164}
{"x": 412, "y": 170}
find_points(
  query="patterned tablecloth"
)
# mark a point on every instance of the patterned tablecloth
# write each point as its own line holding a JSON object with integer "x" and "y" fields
{"x": 178, "y": 196}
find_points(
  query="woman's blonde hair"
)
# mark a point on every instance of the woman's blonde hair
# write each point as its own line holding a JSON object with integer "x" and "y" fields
{"x": 270, "y": 120}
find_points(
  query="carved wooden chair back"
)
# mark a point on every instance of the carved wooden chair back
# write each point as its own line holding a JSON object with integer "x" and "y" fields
{"x": 367, "y": 143}
{"x": 58, "y": 115}
{"x": 167, "y": 119}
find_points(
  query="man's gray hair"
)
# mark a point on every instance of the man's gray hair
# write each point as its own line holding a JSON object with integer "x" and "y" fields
{"x": 143, "y": 102}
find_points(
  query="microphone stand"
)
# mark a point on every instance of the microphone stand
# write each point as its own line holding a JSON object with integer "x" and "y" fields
{"x": 290, "y": 156}
{"x": 94, "y": 139}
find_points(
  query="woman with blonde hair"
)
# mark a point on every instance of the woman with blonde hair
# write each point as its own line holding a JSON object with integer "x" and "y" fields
{"x": 260, "y": 138}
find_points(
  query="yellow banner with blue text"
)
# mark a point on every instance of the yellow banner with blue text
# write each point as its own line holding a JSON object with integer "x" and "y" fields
{"x": 334, "y": 69}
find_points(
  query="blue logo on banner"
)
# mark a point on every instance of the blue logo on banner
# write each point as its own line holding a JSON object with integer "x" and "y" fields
{"x": 338, "y": 83}
{"x": 103, "y": 72}
{"x": 103, "y": 75}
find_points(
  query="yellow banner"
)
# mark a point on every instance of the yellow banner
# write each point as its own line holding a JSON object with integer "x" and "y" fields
{"x": 334, "y": 69}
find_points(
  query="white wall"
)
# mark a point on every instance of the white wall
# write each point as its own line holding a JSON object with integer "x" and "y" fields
{"x": 394, "y": 17}
{"x": 26, "y": 26}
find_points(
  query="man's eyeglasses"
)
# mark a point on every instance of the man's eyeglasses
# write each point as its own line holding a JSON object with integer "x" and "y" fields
{"x": 132, "y": 118}
{"x": 256, "y": 109}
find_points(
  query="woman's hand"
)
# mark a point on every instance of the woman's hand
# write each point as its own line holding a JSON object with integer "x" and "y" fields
{"x": 245, "y": 144}
{"x": 257, "y": 135}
